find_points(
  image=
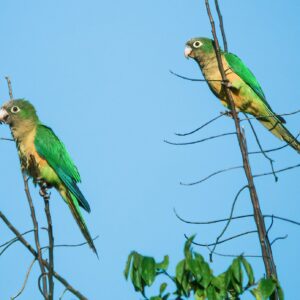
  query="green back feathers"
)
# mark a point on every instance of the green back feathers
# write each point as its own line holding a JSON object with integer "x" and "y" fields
{"x": 238, "y": 67}
{"x": 54, "y": 152}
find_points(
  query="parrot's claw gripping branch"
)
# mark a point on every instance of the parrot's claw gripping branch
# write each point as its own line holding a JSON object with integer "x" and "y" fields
{"x": 227, "y": 84}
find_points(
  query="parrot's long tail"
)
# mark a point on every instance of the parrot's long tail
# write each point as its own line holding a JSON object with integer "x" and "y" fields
{"x": 75, "y": 209}
{"x": 274, "y": 123}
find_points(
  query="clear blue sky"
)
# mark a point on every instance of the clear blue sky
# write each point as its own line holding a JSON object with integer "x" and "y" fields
{"x": 98, "y": 74}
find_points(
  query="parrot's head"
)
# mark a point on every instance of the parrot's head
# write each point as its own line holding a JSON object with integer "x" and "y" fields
{"x": 198, "y": 47}
{"x": 16, "y": 113}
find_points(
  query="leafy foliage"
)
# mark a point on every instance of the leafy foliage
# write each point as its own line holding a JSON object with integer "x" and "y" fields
{"x": 194, "y": 278}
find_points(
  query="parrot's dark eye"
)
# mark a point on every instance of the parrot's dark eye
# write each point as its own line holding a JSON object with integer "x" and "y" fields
{"x": 15, "y": 109}
{"x": 197, "y": 44}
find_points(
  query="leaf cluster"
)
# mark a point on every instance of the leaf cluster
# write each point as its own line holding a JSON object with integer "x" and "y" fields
{"x": 194, "y": 278}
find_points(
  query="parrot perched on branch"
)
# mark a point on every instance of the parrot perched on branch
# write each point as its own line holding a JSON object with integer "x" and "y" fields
{"x": 247, "y": 93}
{"x": 44, "y": 158}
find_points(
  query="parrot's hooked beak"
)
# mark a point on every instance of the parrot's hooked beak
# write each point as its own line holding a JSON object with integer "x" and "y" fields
{"x": 188, "y": 51}
{"x": 3, "y": 115}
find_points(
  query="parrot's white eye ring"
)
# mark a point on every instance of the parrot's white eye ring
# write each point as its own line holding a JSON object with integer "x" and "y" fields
{"x": 197, "y": 44}
{"x": 15, "y": 109}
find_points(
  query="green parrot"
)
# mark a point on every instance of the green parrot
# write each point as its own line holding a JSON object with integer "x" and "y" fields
{"x": 44, "y": 158}
{"x": 247, "y": 93}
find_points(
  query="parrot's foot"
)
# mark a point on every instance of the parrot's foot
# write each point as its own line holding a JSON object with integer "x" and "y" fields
{"x": 227, "y": 113}
{"x": 44, "y": 187}
{"x": 227, "y": 84}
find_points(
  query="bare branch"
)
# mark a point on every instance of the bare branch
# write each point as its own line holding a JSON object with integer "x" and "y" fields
{"x": 202, "y": 126}
{"x": 221, "y": 26}
{"x": 192, "y": 79}
{"x": 225, "y": 240}
{"x": 279, "y": 238}
{"x": 25, "y": 281}
{"x": 51, "y": 245}
{"x": 235, "y": 218}
{"x": 32, "y": 210}
{"x": 264, "y": 242}
{"x": 212, "y": 175}
{"x": 262, "y": 151}
{"x": 229, "y": 220}
{"x": 278, "y": 171}
{"x": 7, "y": 139}
{"x": 200, "y": 141}
{"x": 63, "y": 281}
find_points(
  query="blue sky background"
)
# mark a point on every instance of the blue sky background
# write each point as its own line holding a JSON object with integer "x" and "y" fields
{"x": 98, "y": 74}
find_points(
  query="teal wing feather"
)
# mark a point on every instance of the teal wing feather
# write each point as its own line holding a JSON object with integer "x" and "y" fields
{"x": 238, "y": 67}
{"x": 49, "y": 147}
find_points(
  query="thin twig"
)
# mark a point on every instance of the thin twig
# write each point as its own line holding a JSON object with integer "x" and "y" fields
{"x": 9, "y": 88}
{"x": 202, "y": 126}
{"x": 275, "y": 149}
{"x": 221, "y": 26}
{"x": 225, "y": 240}
{"x": 262, "y": 150}
{"x": 36, "y": 236}
{"x": 272, "y": 116}
{"x": 70, "y": 245}
{"x": 63, "y": 293}
{"x": 278, "y": 171}
{"x": 200, "y": 141}
{"x": 51, "y": 244}
{"x": 212, "y": 175}
{"x": 279, "y": 238}
{"x": 25, "y": 281}
{"x": 15, "y": 239}
{"x": 32, "y": 210}
{"x": 62, "y": 280}
{"x": 228, "y": 222}
{"x": 192, "y": 79}
{"x": 235, "y": 218}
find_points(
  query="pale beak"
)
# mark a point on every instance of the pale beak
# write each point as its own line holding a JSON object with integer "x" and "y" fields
{"x": 3, "y": 115}
{"x": 187, "y": 51}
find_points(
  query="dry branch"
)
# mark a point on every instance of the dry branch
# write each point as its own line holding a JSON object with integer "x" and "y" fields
{"x": 263, "y": 238}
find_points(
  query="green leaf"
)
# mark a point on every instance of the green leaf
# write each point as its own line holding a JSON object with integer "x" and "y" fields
{"x": 128, "y": 263}
{"x": 237, "y": 287}
{"x": 148, "y": 270}
{"x": 186, "y": 284}
{"x": 219, "y": 282}
{"x": 164, "y": 264}
{"x": 187, "y": 247}
{"x": 155, "y": 298}
{"x": 180, "y": 269}
{"x": 256, "y": 293}
{"x": 206, "y": 275}
{"x": 136, "y": 280}
{"x": 249, "y": 271}
{"x": 195, "y": 267}
{"x": 162, "y": 288}
{"x": 266, "y": 287}
{"x": 199, "y": 257}
{"x": 200, "y": 294}
{"x": 211, "y": 293}
{"x": 280, "y": 292}
{"x": 237, "y": 270}
{"x": 136, "y": 259}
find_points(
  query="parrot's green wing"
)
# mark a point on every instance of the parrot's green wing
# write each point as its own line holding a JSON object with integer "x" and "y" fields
{"x": 54, "y": 152}
{"x": 238, "y": 67}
